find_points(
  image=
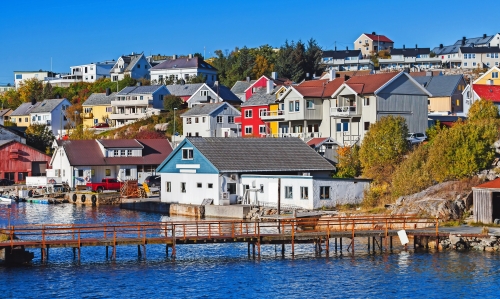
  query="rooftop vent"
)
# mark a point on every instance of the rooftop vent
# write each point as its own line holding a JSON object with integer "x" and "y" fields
{"x": 374, "y": 33}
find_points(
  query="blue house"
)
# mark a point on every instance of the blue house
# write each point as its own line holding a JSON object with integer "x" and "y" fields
{"x": 253, "y": 171}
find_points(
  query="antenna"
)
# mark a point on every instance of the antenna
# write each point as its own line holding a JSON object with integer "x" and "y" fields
{"x": 204, "y": 57}
{"x": 51, "y": 64}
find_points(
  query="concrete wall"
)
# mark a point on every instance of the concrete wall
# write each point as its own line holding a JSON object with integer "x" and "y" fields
{"x": 234, "y": 211}
{"x": 194, "y": 194}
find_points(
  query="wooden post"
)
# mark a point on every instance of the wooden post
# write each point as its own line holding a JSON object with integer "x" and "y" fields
{"x": 174, "y": 241}
{"x": 381, "y": 247}
{"x": 106, "y": 251}
{"x": 335, "y": 245}
{"x": 368, "y": 244}
{"x": 293, "y": 238}
{"x": 352, "y": 240}
{"x": 166, "y": 250}
{"x": 258, "y": 244}
{"x": 139, "y": 251}
{"x": 340, "y": 244}
{"x": 74, "y": 252}
{"x": 248, "y": 245}
{"x": 279, "y": 197}
{"x": 390, "y": 239}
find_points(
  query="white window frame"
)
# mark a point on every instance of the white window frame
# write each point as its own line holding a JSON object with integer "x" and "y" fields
{"x": 288, "y": 192}
{"x": 262, "y": 110}
{"x": 366, "y": 101}
{"x": 183, "y": 187}
{"x": 308, "y": 102}
{"x": 220, "y": 119}
{"x": 204, "y": 93}
{"x": 262, "y": 131}
{"x": 188, "y": 120}
{"x": 230, "y": 119}
{"x": 302, "y": 189}
{"x": 168, "y": 186}
{"x": 248, "y": 113}
{"x": 321, "y": 189}
{"x": 187, "y": 153}
{"x": 248, "y": 130}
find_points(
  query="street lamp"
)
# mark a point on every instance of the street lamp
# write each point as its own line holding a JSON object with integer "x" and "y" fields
{"x": 173, "y": 131}
{"x": 76, "y": 115}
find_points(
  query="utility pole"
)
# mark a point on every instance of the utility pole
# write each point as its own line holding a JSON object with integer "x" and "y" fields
{"x": 173, "y": 131}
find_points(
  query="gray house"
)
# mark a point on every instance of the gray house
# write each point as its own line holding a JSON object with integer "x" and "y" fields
{"x": 208, "y": 93}
{"x": 446, "y": 93}
{"x": 210, "y": 120}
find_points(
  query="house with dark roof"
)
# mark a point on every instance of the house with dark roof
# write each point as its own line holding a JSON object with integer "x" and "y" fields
{"x": 134, "y": 65}
{"x": 481, "y": 41}
{"x": 5, "y": 115}
{"x": 210, "y": 120}
{"x": 239, "y": 88}
{"x": 253, "y": 109}
{"x": 346, "y": 60}
{"x": 18, "y": 160}
{"x": 52, "y": 113}
{"x": 214, "y": 169}
{"x": 82, "y": 161}
{"x": 480, "y": 57}
{"x": 213, "y": 93}
{"x": 370, "y": 43}
{"x": 414, "y": 59}
{"x": 449, "y": 55}
{"x": 97, "y": 108}
{"x": 10, "y": 133}
{"x": 21, "y": 116}
{"x": 446, "y": 93}
{"x": 136, "y": 102}
{"x": 183, "y": 68}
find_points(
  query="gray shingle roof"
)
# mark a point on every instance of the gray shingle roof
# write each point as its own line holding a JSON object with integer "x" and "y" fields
{"x": 47, "y": 105}
{"x": 259, "y": 98}
{"x": 340, "y": 54}
{"x": 99, "y": 99}
{"x": 475, "y": 40}
{"x": 480, "y": 49}
{"x": 445, "y": 50}
{"x": 439, "y": 86}
{"x": 260, "y": 154}
{"x": 184, "y": 90}
{"x": 24, "y": 109}
{"x": 225, "y": 93}
{"x": 241, "y": 86}
{"x": 204, "y": 109}
{"x": 182, "y": 63}
{"x": 139, "y": 90}
{"x": 410, "y": 52}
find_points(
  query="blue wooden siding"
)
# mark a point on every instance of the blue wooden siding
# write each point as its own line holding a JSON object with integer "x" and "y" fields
{"x": 169, "y": 165}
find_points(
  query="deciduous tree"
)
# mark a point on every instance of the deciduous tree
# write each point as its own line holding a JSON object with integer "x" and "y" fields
{"x": 40, "y": 137}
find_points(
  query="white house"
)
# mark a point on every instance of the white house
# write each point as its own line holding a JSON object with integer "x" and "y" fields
{"x": 136, "y": 102}
{"x": 20, "y": 76}
{"x": 52, "y": 113}
{"x": 93, "y": 71}
{"x": 183, "y": 68}
{"x": 210, "y": 120}
{"x": 253, "y": 171}
{"x": 78, "y": 162}
{"x": 134, "y": 65}
{"x": 213, "y": 93}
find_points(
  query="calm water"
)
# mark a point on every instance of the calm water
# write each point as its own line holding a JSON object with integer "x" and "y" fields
{"x": 224, "y": 271}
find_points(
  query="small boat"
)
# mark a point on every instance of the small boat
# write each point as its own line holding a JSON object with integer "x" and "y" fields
{"x": 5, "y": 199}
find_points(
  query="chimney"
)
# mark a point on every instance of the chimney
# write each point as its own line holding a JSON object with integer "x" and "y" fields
{"x": 33, "y": 101}
{"x": 248, "y": 79}
{"x": 332, "y": 74}
{"x": 484, "y": 35}
{"x": 270, "y": 86}
{"x": 108, "y": 91}
{"x": 416, "y": 46}
{"x": 347, "y": 48}
{"x": 489, "y": 45}
{"x": 441, "y": 46}
{"x": 404, "y": 47}
{"x": 307, "y": 76}
{"x": 190, "y": 56}
{"x": 335, "y": 48}
{"x": 174, "y": 56}
{"x": 463, "y": 41}
{"x": 132, "y": 53}
{"x": 374, "y": 33}
{"x": 274, "y": 75}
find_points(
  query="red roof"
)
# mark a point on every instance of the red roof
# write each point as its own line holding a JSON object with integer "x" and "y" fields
{"x": 317, "y": 88}
{"x": 315, "y": 141}
{"x": 376, "y": 37}
{"x": 488, "y": 92}
{"x": 369, "y": 84}
{"x": 495, "y": 184}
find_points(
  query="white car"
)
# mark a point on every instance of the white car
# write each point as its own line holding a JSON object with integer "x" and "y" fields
{"x": 415, "y": 138}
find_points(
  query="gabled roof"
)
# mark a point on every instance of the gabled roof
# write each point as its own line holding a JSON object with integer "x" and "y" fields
{"x": 5, "y": 111}
{"x": 48, "y": 105}
{"x": 88, "y": 153}
{"x": 134, "y": 59}
{"x": 183, "y": 63}
{"x": 445, "y": 50}
{"x": 139, "y": 90}
{"x": 424, "y": 73}
{"x": 317, "y": 142}
{"x": 25, "y": 109}
{"x": 487, "y": 73}
{"x": 260, "y": 154}
{"x": 369, "y": 84}
{"x": 224, "y": 93}
{"x": 340, "y": 54}
{"x": 480, "y": 49}
{"x": 206, "y": 109}
{"x": 485, "y": 39}
{"x": 241, "y": 86}
{"x": 410, "y": 52}
{"x": 378, "y": 37}
{"x": 440, "y": 86}
{"x": 120, "y": 143}
{"x": 184, "y": 89}
{"x": 260, "y": 98}
{"x": 319, "y": 88}
{"x": 495, "y": 184}
{"x": 488, "y": 92}
{"x": 96, "y": 99}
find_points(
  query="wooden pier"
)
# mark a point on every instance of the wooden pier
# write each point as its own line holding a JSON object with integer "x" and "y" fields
{"x": 379, "y": 231}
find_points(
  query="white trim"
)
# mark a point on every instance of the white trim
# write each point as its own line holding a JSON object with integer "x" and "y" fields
{"x": 187, "y": 166}
{"x": 187, "y": 171}
{"x": 489, "y": 71}
{"x": 344, "y": 85}
{"x": 268, "y": 79}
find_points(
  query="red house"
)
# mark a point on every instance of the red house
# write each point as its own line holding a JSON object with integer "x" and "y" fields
{"x": 265, "y": 82}
{"x": 251, "y": 111}
{"x": 18, "y": 160}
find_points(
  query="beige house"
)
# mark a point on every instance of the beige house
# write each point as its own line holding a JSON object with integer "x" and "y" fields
{"x": 369, "y": 43}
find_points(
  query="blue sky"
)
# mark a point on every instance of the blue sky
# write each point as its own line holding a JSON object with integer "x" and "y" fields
{"x": 77, "y": 32}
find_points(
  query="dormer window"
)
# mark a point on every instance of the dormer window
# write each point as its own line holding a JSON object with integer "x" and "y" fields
{"x": 204, "y": 93}
{"x": 187, "y": 154}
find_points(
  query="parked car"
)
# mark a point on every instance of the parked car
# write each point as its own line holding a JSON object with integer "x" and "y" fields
{"x": 153, "y": 181}
{"x": 106, "y": 184}
{"x": 102, "y": 125}
{"x": 6, "y": 182}
{"x": 416, "y": 138}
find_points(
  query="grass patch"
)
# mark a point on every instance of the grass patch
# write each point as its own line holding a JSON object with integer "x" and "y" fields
{"x": 451, "y": 223}
{"x": 480, "y": 224}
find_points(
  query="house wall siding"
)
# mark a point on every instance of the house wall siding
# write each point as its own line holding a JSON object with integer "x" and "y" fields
{"x": 412, "y": 108}
{"x": 23, "y": 163}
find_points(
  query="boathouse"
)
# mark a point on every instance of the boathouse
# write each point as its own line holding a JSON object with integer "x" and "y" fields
{"x": 486, "y": 201}
{"x": 18, "y": 160}
{"x": 258, "y": 171}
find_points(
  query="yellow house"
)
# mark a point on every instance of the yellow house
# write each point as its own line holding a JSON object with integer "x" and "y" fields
{"x": 21, "y": 116}
{"x": 97, "y": 108}
{"x": 273, "y": 126}
{"x": 491, "y": 77}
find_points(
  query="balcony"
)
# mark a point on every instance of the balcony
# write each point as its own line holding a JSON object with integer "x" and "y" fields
{"x": 133, "y": 101}
{"x": 295, "y": 135}
{"x": 118, "y": 70}
{"x": 272, "y": 115}
{"x": 128, "y": 116}
{"x": 344, "y": 111}
{"x": 88, "y": 115}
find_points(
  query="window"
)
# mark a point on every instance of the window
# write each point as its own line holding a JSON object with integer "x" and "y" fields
{"x": 230, "y": 119}
{"x": 127, "y": 171}
{"x": 204, "y": 93}
{"x": 122, "y": 153}
{"x": 263, "y": 112}
{"x": 80, "y": 172}
{"x": 288, "y": 192}
{"x": 142, "y": 98}
{"x": 261, "y": 188}
{"x": 187, "y": 154}
{"x": 366, "y": 101}
{"x": 198, "y": 185}
{"x": 168, "y": 186}
{"x": 304, "y": 193}
{"x": 196, "y": 120}
{"x": 248, "y": 113}
{"x": 188, "y": 120}
{"x": 262, "y": 129}
{"x": 494, "y": 75}
{"x": 109, "y": 109}
{"x": 324, "y": 192}
{"x": 129, "y": 152}
{"x": 183, "y": 187}
{"x": 196, "y": 134}
{"x": 231, "y": 188}
{"x": 19, "y": 76}
{"x": 138, "y": 66}
{"x": 248, "y": 130}
{"x": 342, "y": 127}
{"x": 458, "y": 102}
{"x": 220, "y": 119}
{"x": 26, "y": 119}
{"x": 367, "y": 125}
{"x": 297, "y": 106}
{"x": 116, "y": 153}
{"x": 310, "y": 104}
{"x": 203, "y": 119}
{"x": 210, "y": 185}
{"x": 107, "y": 172}
{"x": 465, "y": 63}
{"x": 290, "y": 106}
